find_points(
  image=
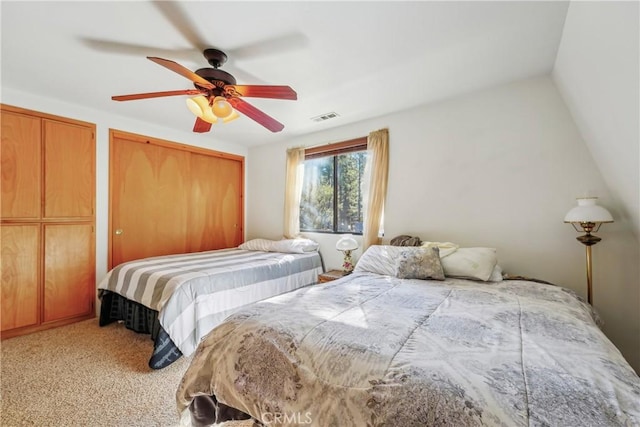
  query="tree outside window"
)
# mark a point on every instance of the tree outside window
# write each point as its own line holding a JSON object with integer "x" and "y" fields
{"x": 332, "y": 193}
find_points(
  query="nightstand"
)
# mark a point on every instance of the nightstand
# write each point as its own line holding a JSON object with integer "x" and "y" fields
{"x": 331, "y": 275}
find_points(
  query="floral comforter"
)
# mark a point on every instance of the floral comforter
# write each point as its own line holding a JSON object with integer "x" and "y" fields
{"x": 371, "y": 350}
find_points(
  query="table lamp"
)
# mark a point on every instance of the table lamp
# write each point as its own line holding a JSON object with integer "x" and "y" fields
{"x": 346, "y": 244}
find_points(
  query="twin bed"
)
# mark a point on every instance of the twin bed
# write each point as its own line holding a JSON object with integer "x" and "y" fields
{"x": 178, "y": 299}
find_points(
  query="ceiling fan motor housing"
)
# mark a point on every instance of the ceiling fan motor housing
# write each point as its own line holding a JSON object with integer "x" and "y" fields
{"x": 216, "y": 76}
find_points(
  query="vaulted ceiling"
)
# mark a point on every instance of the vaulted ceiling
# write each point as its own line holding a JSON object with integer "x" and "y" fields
{"x": 357, "y": 59}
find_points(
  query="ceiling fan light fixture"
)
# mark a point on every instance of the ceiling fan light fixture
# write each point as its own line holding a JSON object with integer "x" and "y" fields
{"x": 199, "y": 106}
{"x": 221, "y": 107}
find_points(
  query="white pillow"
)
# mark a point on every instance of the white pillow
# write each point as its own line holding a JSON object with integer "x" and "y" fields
{"x": 445, "y": 248}
{"x": 298, "y": 245}
{"x": 257, "y": 245}
{"x": 286, "y": 245}
{"x": 470, "y": 263}
{"x": 382, "y": 259}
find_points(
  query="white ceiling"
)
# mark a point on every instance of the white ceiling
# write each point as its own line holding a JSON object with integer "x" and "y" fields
{"x": 358, "y": 59}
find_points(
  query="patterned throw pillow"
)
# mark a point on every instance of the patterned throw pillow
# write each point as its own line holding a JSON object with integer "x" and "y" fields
{"x": 422, "y": 263}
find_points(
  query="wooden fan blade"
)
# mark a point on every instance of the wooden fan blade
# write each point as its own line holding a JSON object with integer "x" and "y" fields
{"x": 184, "y": 72}
{"x": 253, "y": 113}
{"x": 261, "y": 91}
{"x": 201, "y": 126}
{"x": 135, "y": 96}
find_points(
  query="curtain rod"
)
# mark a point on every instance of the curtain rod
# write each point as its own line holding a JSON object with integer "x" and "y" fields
{"x": 311, "y": 147}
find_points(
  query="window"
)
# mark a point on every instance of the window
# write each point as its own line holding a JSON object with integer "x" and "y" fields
{"x": 331, "y": 199}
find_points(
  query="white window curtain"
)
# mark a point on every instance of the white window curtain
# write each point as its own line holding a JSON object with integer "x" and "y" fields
{"x": 376, "y": 173}
{"x": 293, "y": 192}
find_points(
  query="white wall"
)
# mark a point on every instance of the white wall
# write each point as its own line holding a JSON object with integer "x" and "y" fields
{"x": 597, "y": 72}
{"x": 103, "y": 123}
{"x": 495, "y": 168}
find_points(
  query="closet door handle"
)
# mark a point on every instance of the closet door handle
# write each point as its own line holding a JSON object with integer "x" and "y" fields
{"x": 119, "y": 231}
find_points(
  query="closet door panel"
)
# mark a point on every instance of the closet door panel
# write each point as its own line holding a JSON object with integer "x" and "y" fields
{"x": 132, "y": 200}
{"x": 20, "y": 154}
{"x": 150, "y": 194}
{"x": 20, "y": 267}
{"x": 172, "y": 200}
{"x": 229, "y": 209}
{"x": 69, "y": 275}
{"x": 205, "y": 196}
{"x": 69, "y": 168}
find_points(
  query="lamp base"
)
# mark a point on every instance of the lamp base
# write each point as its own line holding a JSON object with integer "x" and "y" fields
{"x": 589, "y": 240}
{"x": 347, "y": 262}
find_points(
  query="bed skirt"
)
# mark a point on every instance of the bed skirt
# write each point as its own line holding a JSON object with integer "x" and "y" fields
{"x": 141, "y": 319}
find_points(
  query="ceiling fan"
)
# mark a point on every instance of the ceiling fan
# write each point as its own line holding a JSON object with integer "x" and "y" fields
{"x": 218, "y": 97}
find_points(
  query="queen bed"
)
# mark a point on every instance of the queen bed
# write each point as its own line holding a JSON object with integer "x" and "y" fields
{"x": 178, "y": 299}
{"x": 381, "y": 347}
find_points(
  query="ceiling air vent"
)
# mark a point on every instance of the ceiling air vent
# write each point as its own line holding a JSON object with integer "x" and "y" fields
{"x": 326, "y": 116}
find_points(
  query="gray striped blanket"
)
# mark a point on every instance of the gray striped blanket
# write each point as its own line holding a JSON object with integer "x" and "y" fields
{"x": 194, "y": 292}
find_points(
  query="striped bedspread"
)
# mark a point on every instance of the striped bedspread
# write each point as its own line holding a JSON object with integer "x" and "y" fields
{"x": 195, "y": 292}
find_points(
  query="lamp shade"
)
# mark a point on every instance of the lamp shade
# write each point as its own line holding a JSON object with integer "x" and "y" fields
{"x": 347, "y": 243}
{"x": 199, "y": 106}
{"x": 221, "y": 107}
{"x": 588, "y": 211}
{"x": 234, "y": 115}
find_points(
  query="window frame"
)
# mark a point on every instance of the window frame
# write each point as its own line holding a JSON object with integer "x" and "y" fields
{"x": 334, "y": 150}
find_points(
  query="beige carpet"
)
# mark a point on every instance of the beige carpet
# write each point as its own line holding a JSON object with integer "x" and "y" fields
{"x": 84, "y": 375}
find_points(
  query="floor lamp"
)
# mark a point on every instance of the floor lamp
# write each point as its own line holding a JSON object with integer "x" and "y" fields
{"x": 588, "y": 217}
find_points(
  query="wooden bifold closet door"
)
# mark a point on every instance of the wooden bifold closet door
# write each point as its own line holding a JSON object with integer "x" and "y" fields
{"x": 169, "y": 198}
{"x": 47, "y": 222}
